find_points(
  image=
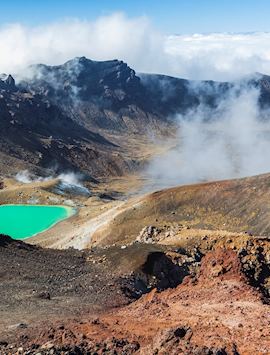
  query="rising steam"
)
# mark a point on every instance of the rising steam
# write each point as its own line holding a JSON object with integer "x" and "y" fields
{"x": 232, "y": 140}
{"x": 69, "y": 182}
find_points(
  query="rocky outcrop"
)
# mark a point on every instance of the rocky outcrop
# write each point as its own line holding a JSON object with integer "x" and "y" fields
{"x": 149, "y": 234}
{"x": 153, "y": 234}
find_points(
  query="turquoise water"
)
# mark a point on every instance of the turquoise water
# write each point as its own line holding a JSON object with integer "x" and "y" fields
{"x": 24, "y": 221}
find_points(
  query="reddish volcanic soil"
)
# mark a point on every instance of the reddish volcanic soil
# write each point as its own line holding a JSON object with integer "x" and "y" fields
{"x": 215, "y": 312}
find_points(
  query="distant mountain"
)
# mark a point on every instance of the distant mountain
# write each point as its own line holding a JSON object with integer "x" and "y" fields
{"x": 109, "y": 94}
{"x": 106, "y": 95}
{"x": 77, "y": 115}
{"x": 112, "y": 80}
{"x": 98, "y": 87}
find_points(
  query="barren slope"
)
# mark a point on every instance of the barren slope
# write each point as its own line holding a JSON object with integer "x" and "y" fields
{"x": 234, "y": 205}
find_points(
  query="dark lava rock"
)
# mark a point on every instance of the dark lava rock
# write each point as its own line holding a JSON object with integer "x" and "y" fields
{"x": 44, "y": 295}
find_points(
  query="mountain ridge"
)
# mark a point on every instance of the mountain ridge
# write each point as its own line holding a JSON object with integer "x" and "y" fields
{"x": 86, "y": 106}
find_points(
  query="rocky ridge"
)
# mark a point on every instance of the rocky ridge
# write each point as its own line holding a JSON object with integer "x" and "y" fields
{"x": 86, "y": 115}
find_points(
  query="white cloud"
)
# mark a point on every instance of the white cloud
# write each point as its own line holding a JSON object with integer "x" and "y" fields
{"x": 111, "y": 37}
{"x": 136, "y": 41}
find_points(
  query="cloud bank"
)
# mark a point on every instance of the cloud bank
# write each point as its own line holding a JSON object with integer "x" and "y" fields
{"x": 137, "y": 42}
{"x": 111, "y": 37}
{"x": 220, "y": 56}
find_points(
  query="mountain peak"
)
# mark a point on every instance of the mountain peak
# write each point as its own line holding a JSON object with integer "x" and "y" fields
{"x": 114, "y": 68}
{"x": 7, "y": 82}
{"x": 10, "y": 81}
{"x": 111, "y": 79}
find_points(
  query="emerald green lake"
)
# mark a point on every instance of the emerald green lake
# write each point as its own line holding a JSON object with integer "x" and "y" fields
{"x": 24, "y": 221}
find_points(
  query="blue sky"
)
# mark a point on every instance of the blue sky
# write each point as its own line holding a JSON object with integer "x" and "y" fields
{"x": 170, "y": 16}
